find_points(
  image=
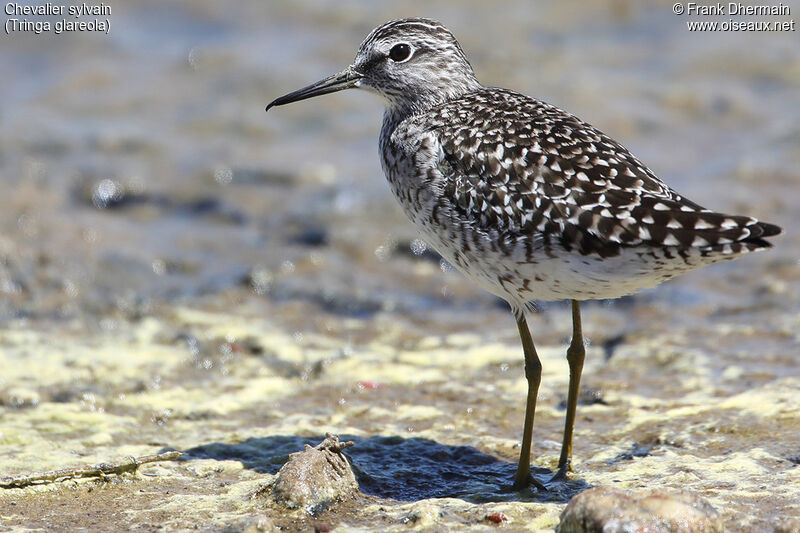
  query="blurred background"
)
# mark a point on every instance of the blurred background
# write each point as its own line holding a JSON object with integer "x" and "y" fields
{"x": 139, "y": 168}
{"x": 140, "y": 176}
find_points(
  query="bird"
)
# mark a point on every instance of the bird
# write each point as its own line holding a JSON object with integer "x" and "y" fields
{"x": 526, "y": 200}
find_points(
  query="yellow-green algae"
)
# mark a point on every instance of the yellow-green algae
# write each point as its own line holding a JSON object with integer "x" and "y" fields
{"x": 699, "y": 387}
{"x": 730, "y": 448}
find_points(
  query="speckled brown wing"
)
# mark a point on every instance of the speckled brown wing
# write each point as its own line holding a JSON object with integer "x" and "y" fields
{"x": 519, "y": 166}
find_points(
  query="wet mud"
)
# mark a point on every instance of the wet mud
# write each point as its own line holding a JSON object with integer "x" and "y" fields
{"x": 179, "y": 271}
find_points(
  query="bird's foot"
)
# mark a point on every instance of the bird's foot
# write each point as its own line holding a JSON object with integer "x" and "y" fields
{"x": 561, "y": 473}
{"x": 530, "y": 481}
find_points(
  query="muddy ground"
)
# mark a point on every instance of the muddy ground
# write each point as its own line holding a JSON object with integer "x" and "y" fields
{"x": 180, "y": 271}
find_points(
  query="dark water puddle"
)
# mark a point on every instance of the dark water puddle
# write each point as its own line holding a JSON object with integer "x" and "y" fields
{"x": 402, "y": 469}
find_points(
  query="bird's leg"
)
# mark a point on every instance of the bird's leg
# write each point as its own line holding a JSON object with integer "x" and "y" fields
{"x": 533, "y": 373}
{"x": 575, "y": 355}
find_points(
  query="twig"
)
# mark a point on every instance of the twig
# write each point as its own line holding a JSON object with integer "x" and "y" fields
{"x": 99, "y": 470}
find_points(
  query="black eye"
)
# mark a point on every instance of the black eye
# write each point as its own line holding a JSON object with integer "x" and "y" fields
{"x": 400, "y": 52}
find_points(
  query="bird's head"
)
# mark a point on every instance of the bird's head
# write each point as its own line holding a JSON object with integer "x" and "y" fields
{"x": 412, "y": 63}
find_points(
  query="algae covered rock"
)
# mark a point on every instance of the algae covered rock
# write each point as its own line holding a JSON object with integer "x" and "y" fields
{"x": 613, "y": 510}
{"x": 316, "y": 477}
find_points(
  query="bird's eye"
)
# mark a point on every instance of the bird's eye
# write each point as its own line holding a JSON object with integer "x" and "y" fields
{"x": 400, "y": 52}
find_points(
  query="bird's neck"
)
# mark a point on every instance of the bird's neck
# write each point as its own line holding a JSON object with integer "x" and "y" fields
{"x": 417, "y": 102}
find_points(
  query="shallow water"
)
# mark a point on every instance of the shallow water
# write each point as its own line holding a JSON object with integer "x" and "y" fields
{"x": 180, "y": 270}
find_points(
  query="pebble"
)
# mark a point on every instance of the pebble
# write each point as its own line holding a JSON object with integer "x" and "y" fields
{"x": 613, "y": 510}
{"x": 316, "y": 477}
{"x": 19, "y": 398}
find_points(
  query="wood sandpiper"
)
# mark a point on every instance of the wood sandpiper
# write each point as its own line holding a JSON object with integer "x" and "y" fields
{"x": 526, "y": 200}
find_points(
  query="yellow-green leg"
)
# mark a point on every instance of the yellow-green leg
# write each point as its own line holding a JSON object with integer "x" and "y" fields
{"x": 533, "y": 373}
{"x": 575, "y": 356}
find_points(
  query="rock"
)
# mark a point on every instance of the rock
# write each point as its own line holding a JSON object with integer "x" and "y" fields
{"x": 316, "y": 477}
{"x": 19, "y": 398}
{"x": 612, "y": 510}
{"x": 424, "y": 515}
{"x": 791, "y": 525}
{"x": 260, "y": 523}
{"x": 496, "y": 518}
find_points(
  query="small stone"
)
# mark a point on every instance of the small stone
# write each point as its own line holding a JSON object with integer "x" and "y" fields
{"x": 424, "y": 515}
{"x": 316, "y": 477}
{"x": 260, "y": 523}
{"x": 496, "y": 518}
{"x": 19, "y": 398}
{"x": 790, "y": 525}
{"x": 612, "y": 510}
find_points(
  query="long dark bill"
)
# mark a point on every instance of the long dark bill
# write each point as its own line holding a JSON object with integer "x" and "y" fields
{"x": 346, "y": 79}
